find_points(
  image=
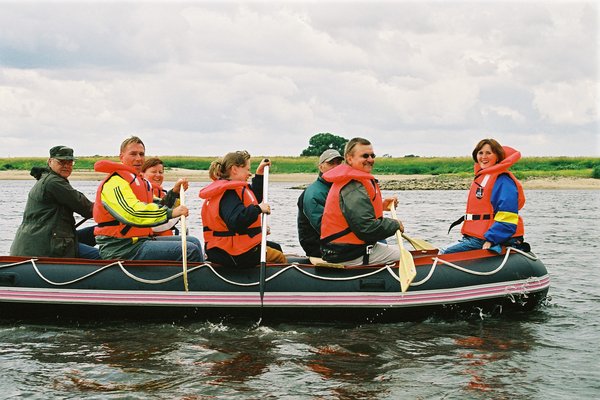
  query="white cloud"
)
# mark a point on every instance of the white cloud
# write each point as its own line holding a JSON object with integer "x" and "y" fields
{"x": 203, "y": 78}
{"x": 570, "y": 103}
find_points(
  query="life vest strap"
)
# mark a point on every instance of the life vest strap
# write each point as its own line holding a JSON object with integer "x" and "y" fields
{"x": 470, "y": 217}
{"x": 335, "y": 236}
{"x": 250, "y": 232}
{"x": 114, "y": 222}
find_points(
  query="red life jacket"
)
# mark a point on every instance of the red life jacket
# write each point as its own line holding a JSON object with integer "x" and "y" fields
{"x": 107, "y": 224}
{"x": 334, "y": 227}
{"x": 479, "y": 216}
{"x": 158, "y": 191}
{"x": 216, "y": 232}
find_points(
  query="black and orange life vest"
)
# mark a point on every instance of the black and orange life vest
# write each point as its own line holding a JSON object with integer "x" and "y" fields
{"x": 480, "y": 214}
{"x": 216, "y": 232}
{"x": 334, "y": 227}
{"x": 107, "y": 224}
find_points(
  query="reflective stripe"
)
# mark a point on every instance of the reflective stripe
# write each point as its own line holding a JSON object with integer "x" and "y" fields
{"x": 477, "y": 217}
{"x": 486, "y": 178}
{"x": 508, "y": 217}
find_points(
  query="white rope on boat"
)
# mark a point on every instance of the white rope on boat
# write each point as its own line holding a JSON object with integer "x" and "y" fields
{"x": 35, "y": 268}
{"x": 155, "y": 281}
{"x": 177, "y": 275}
{"x": 388, "y": 267}
{"x": 531, "y": 256}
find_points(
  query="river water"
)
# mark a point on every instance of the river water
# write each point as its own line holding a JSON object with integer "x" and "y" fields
{"x": 551, "y": 353}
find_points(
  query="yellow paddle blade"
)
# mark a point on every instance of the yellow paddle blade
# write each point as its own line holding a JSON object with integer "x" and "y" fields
{"x": 419, "y": 244}
{"x": 406, "y": 269}
{"x": 406, "y": 264}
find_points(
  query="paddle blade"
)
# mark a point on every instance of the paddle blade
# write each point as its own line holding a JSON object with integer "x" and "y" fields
{"x": 406, "y": 269}
{"x": 419, "y": 244}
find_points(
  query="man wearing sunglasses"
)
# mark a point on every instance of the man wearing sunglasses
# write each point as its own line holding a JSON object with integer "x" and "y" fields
{"x": 48, "y": 227}
{"x": 353, "y": 227}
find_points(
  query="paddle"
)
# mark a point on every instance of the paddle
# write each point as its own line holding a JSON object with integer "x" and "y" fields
{"x": 263, "y": 241}
{"x": 419, "y": 244}
{"x": 406, "y": 264}
{"x": 183, "y": 239}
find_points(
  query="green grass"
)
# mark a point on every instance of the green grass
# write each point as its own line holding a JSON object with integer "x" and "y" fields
{"x": 581, "y": 167}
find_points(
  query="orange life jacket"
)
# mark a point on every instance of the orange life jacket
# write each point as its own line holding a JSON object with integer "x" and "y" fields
{"x": 334, "y": 227}
{"x": 479, "y": 216}
{"x": 216, "y": 232}
{"x": 158, "y": 191}
{"x": 107, "y": 224}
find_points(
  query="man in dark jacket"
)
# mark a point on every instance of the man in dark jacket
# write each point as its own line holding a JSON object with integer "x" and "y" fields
{"x": 48, "y": 227}
{"x": 311, "y": 204}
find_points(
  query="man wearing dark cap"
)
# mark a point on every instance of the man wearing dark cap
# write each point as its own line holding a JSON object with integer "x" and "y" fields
{"x": 48, "y": 227}
{"x": 311, "y": 204}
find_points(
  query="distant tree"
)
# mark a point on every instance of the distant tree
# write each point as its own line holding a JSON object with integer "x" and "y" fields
{"x": 323, "y": 141}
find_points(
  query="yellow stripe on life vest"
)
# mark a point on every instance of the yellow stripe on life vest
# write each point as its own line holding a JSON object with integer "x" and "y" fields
{"x": 508, "y": 217}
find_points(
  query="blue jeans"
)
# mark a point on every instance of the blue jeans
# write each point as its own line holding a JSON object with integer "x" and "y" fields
{"x": 86, "y": 242}
{"x": 469, "y": 243}
{"x": 169, "y": 248}
{"x": 85, "y": 251}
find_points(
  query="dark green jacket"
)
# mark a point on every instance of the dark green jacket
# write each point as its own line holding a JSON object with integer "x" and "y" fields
{"x": 48, "y": 227}
{"x": 311, "y": 204}
{"x": 358, "y": 211}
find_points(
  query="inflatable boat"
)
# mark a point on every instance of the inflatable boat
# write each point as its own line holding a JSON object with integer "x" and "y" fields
{"x": 473, "y": 283}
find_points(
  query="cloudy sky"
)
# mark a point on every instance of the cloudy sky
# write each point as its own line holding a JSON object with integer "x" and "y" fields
{"x": 205, "y": 78}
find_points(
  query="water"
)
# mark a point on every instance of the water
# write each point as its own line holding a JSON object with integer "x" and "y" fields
{"x": 551, "y": 353}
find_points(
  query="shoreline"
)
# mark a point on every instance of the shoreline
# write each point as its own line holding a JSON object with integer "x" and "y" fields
{"x": 388, "y": 182}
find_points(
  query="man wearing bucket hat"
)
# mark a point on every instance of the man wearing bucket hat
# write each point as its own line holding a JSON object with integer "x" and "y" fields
{"x": 311, "y": 204}
{"x": 48, "y": 227}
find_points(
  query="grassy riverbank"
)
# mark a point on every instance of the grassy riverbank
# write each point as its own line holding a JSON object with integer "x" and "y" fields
{"x": 457, "y": 167}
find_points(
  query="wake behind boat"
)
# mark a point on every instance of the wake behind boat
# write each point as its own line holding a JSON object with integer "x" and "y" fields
{"x": 460, "y": 284}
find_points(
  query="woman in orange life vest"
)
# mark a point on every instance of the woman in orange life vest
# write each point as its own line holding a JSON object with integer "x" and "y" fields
{"x": 153, "y": 170}
{"x": 492, "y": 218}
{"x": 231, "y": 213}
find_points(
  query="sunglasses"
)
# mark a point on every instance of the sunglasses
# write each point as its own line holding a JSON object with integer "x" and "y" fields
{"x": 367, "y": 155}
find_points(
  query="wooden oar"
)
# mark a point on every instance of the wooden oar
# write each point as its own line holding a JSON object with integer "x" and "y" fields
{"x": 406, "y": 264}
{"x": 183, "y": 239}
{"x": 419, "y": 244}
{"x": 263, "y": 241}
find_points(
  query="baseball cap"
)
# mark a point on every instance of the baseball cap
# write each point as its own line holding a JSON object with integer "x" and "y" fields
{"x": 329, "y": 155}
{"x": 62, "y": 153}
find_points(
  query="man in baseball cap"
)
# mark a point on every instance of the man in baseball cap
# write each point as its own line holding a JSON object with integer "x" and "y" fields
{"x": 311, "y": 204}
{"x": 48, "y": 227}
